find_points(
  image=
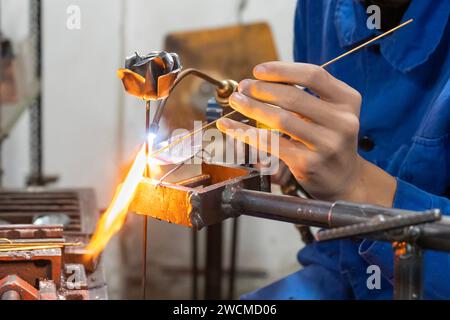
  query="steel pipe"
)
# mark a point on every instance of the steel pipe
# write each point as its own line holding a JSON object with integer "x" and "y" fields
{"x": 434, "y": 236}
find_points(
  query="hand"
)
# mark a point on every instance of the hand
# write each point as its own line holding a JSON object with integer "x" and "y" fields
{"x": 322, "y": 150}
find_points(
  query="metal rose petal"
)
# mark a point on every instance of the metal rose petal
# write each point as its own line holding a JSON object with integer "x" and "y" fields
{"x": 159, "y": 69}
{"x": 132, "y": 82}
{"x": 165, "y": 83}
{"x": 168, "y": 61}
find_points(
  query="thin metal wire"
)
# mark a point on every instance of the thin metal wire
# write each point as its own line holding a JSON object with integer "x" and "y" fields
{"x": 178, "y": 167}
{"x": 190, "y": 134}
{"x": 6, "y": 239}
{"x": 367, "y": 43}
{"x": 28, "y": 246}
{"x": 172, "y": 171}
{"x": 18, "y": 244}
{"x": 189, "y": 71}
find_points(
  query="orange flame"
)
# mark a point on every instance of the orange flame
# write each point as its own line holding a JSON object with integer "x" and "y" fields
{"x": 114, "y": 217}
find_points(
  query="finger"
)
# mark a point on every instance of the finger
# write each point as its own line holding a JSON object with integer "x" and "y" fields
{"x": 277, "y": 118}
{"x": 262, "y": 140}
{"x": 307, "y": 75}
{"x": 289, "y": 98}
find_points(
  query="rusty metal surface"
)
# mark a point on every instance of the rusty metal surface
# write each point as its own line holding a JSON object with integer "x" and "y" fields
{"x": 77, "y": 255}
{"x": 32, "y": 265}
{"x": 14, "y": 283}
{"x": 24, "y": 207}
{"x": 53, "y": 273}
{"x": 195, "y": 207}
{"x": 25, "y": 231}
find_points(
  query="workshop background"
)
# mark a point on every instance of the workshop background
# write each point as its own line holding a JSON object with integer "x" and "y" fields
{"x": 91, "y": 127}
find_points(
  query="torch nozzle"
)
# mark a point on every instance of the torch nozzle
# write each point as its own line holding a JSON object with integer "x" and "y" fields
{"x": 225, "y": 90}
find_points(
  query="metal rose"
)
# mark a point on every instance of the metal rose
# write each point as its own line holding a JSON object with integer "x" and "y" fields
{"x": 150, "y": 77}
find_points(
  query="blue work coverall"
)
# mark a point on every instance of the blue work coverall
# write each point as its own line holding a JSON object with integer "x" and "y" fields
{"x": 405, "y": 130}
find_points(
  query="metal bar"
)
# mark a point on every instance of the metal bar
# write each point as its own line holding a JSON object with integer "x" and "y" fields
{"x": 144, "y": 256}
{"x": 194, "y": 264}
{"x": 36, "y": 175}
{"x": 378, "y": 225}
{"x": 213, "y": 272}
{"x": 145, "y": 223}
{"x": 233, "y": 258}
{"x": 34, "y": 208}
{"x": 1, "y": 98}
{"x": 282, "y": 208}
{"x": 434, "y": 236}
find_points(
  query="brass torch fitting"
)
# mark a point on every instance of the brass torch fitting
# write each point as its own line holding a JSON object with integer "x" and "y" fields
{"x": 224, "y": 91}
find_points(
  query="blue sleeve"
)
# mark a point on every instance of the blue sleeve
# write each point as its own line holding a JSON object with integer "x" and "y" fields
{"x": 299, "y": 33}
{"x": 410, "y": 197}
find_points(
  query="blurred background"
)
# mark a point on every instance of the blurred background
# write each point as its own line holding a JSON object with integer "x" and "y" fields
{"x": 91, "y": 128}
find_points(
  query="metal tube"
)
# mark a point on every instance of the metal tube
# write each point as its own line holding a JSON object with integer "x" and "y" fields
{"x": 36, "y": 177}
{"x": 194, "y": 258}
{"x": 215, "y": 82}
{"x": 287, "y": 208}
{"x": 213, "y": 270}
{"x": 145, "y": 218}
{"x": 434, "y": 236}
{"x": 233, "y": 258}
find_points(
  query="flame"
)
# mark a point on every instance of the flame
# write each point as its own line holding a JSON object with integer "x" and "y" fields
{"x": 114, "y": 217}
{"x": 153, "y": 167}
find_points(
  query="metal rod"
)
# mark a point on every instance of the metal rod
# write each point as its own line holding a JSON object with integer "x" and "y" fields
{"x": 233, "y": 258}
{"x": 145, "y": 222}
{"x": 147, "y": 132}
{"x": 1, "y": 97}
{"x": 194, "y": 264}
{"x": 202, "y": 75}
{"x": 198, "y": 73}
{"x": 367, "y": 42}
{"x": 213, "y": 270}
{"x": 36, "y": 177}
{"x": 434, "y": 236}
{"x": 144, "y": 256}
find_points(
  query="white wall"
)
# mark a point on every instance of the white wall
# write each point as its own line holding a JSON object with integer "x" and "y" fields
{"x": 92, "y": 129}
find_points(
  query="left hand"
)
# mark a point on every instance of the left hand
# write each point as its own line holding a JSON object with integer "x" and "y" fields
{"x": 322, "y": 152}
